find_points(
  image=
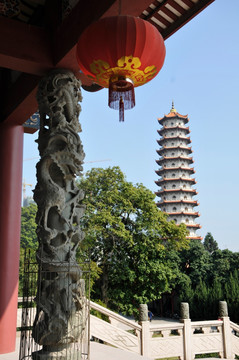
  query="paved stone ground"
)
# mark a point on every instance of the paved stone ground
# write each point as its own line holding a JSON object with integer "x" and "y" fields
{"x": 97, "y": 352}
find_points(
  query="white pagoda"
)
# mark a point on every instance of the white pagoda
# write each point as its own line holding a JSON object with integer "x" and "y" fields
{"x": 175, "y": 173}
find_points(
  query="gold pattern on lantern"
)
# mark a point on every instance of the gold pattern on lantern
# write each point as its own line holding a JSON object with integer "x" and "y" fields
{"x": 127, "y": 66}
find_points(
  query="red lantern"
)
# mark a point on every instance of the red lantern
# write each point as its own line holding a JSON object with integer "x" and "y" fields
{"x": 120, "y": 53}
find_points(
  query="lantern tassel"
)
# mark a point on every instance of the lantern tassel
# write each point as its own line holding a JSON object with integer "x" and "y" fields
{"x": 121, "y": 95}
{"x": 121, "y": 109}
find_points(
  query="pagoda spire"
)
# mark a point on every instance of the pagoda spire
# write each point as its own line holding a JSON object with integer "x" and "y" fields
{"x": 173, "y": 110}
{"x": 175, "y": 172}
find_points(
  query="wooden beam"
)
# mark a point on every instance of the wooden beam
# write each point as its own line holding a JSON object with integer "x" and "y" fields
{"x": 82, "y": 15}
{"x": 186, "y": 17}
{"x": 29, "y": 49}
{"x": 23, "y": 47}
{"x": 34, "y": 50}
{"x": 176, "y": 6}
{"x": 188, "y": 2}
{"x": 20, "y": 100}
{"x": 132, "y": 7}
{"x": 68, "y": 60}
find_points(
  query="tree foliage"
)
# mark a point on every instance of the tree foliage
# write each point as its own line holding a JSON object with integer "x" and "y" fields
{"x": 129, "y": 239}
{"x": 136, "y": 255}
{"x": 28, "y": 227}
{"x": 209, "y": 243}
{"x": 213, "y": 276}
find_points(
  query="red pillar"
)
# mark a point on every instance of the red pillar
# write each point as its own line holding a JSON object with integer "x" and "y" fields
{"x": 11, "y": 152}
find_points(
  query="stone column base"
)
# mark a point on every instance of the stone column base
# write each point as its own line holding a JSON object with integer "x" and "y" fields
{"x": 62, "y": 352}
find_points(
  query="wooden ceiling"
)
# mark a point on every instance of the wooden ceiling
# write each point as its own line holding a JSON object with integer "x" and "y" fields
{"x": 42, "y": 34}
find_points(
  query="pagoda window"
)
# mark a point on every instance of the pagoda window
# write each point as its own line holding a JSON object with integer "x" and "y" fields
{"x": 174, "y": 208}
{"x": 172, "y": 134}
{"x": 173, "y": 186}
{"x": 164, "y": 198}
{"x": 182, "y": 164}
{"x": 186, "y": 208}
{"x": 172, "y": 154}
{"x": 172, "y": 144}
{"x": 174, "y": 197}
{"x": 183, "y": 175}
{"x": 173, "y": 164}
{"x": 187, "y": 221}
{"x": 185, "y": 197}
{"x": 175, "y": 220}
{"x": 172, "y": 123}
{"x": 173, "y": 175}
{"x": 184, "y": 186}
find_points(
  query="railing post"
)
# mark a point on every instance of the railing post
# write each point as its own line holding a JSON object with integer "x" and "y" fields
{"x": 226, "y": 329}
{"x": 145, "y": 334}
{"x": 187, "y": 331}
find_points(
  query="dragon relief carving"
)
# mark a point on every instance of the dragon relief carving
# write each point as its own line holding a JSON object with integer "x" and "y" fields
{"x": 60, "y": 296}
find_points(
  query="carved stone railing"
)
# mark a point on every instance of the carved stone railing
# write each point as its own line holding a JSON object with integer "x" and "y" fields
{"x": 207, "y": 337}
{"x": 119, "y": 331}
{"x": 234, "y": 339}
{"x": 166, "y": 340}
{"x": 183, "y": 339}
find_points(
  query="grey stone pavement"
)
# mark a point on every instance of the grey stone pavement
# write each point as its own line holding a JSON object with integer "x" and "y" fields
{"x": 97, "y": 351}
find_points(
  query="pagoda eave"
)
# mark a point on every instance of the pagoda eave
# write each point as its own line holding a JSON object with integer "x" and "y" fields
{"x": 195, "y": 214}
{"x": 188, "y": 159}
{"x": 194, "y": 238}
{"x": 189, "y": 149}
{"x": 186, "y": 139}
{"x": 197, "y": 226}
{"x": 173, "y": 116}
{"x": 193, "y": 181}
{"x": 192, "y": 191}
{"x": 191, "y": 170}
{"x": 165, "y": 128}
{"x": 191, "y": 202}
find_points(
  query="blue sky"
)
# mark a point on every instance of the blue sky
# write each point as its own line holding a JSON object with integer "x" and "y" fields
{"x": 201, "y": 75}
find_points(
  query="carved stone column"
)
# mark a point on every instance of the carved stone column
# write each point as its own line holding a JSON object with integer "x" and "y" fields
{"x": 184, "y": 311}
{"x": 223, "y": 310}
{"x": 60, "y": 298}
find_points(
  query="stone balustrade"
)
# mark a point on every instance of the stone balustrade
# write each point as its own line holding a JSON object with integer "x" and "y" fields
{"x": 183, "y": 339}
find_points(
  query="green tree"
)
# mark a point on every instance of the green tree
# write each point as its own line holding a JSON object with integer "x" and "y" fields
{"x": 232, "y": 295}
{"x": 28, "y": 227}
{"x": 200, "y": 301}
{"x": 28, "y": 245}
{"x": 210, "y": 244}
{"x": 196, "y": 263}
{"x": 222, "y": 265}
{"x": 129, "y": 239}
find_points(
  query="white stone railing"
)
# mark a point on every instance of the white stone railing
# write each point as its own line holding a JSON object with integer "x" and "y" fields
{"x": 183, "y": 339}
{"x": 119, "y": 331}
